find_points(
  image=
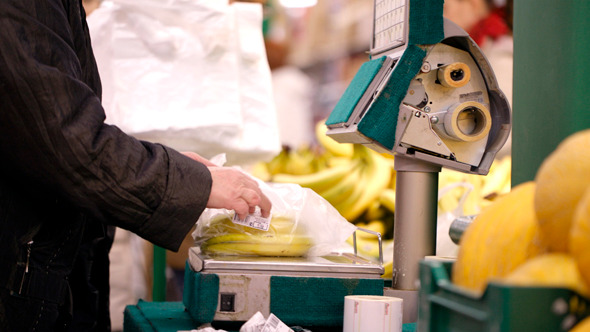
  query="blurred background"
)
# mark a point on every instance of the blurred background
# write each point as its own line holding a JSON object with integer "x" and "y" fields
{"x": 314, "y": 48}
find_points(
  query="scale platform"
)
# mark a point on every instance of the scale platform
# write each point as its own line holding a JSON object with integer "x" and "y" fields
{"x": 300, "y": 291}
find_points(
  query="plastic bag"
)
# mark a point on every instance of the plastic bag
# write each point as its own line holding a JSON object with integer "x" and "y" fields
{"x": 191, "y": 74}
{"x": 302, "y": 224}
{"x": 445, "y": 247}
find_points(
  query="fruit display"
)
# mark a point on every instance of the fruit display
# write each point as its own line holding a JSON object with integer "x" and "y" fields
{"x": 539, "y": 233}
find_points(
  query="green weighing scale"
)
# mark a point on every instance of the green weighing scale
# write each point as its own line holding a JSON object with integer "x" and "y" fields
{"x": 428, "y": 96}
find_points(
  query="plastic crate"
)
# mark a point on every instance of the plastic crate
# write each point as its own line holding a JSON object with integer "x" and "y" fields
{"x": 447, "y": 307}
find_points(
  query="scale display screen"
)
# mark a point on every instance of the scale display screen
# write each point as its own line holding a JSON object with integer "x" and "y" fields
{"x": 389, "y": 28}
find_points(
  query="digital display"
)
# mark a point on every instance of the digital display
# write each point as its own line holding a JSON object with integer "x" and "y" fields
{"x": 389, "y": 29}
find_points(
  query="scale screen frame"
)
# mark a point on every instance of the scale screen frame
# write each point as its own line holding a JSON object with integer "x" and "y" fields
{"x": 390, "y": 17}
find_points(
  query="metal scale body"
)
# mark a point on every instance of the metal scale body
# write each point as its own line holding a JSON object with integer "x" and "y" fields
{"x": 301, "y": 291}
{"x": 429, "y": 97}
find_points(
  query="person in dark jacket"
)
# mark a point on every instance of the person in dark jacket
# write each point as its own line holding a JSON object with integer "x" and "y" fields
{"x": 67, "y": 178}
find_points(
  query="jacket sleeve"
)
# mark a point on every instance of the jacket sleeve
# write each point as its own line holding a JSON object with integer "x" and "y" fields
{"x": 52, "y": 131}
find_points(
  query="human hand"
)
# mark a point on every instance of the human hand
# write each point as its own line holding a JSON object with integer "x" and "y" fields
{"x": 233, "y": 190}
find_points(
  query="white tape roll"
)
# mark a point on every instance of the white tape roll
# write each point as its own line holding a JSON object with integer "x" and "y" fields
{"x": 468, "y": 122}
{"x": 454, "y": 75}
{"x": 368, "y": 313}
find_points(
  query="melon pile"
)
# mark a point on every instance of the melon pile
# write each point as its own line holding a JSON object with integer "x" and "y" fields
{"x": 539, "y": 233}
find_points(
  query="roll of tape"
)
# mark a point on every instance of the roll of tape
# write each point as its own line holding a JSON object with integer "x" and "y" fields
{"x": 364, "y": 313}
{"x": 454, "y": 75}
{"x": 468, "y": 122}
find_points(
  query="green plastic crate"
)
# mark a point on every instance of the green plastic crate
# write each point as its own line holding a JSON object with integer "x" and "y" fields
{"x": 501, "y": 308}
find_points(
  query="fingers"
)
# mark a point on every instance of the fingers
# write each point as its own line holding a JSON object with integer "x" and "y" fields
{"x": 253, "y": 198}
{"x": 241, "y": 208}
{"x": 265, "y": 206}
{"x": 234, "y": 190}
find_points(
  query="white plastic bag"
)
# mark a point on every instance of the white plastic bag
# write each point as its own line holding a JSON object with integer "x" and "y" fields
{"x": 191, "y": 74}
{"x": 445, "y": 247}
{"x": 304, "y": 215}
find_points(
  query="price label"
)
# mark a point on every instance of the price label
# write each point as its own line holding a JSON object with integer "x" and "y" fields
{"x": 254, "y": 220}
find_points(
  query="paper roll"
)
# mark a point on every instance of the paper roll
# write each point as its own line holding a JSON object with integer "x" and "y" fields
{"x": 468, "y": 122}
{"x": 368, "y": 313}
{"x": 454, "y": 75}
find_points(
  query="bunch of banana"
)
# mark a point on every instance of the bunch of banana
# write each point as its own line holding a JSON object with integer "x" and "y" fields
{"x": 374, "y": 177}
{"x": 257, "y": 245}
{"x": 338, "y": 149}
{"x": 302, "y": 160}
{"x": 284, "y": 237}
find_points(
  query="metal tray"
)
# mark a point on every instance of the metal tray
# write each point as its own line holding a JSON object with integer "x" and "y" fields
{"x": 346, "y": 263}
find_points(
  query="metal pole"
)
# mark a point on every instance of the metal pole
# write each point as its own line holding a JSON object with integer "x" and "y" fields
{"x": 414, "y": 232}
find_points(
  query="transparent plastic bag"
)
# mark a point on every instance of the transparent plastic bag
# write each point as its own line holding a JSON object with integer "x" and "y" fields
{"x": 445, "y": 247}
{"x": 302, "y": 223}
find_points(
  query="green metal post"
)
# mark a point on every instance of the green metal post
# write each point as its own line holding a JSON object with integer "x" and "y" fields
{"x": 551, "y": 79}
{"x": 159, "y": 286}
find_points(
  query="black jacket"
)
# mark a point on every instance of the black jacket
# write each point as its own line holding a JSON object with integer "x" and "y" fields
{"x": 64, "y": 173}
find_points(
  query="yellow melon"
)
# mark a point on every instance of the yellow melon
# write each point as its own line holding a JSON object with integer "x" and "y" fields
{"x": 579, "y": 243}
{"x": 549, "y": 270}
{"x": 502, "y": 237}
{"x": 561, "y": 180}
{"x": 582, "y": 326}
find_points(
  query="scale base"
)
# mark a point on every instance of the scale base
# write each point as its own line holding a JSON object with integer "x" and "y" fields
{"x": 306, "y": 292}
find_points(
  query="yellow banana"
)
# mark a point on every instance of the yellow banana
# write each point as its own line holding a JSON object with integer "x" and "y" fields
{"x": 317, "y": 181}
{"x": 259, "y": 239}
{"x": 300, "y": 161}
{"x": 387, "y": 270}
{"x": 344, "y": 206}
{"x": 257, "y": 249}
{"x": 393, "y": 178}
{"x": 496, "y": 179}
{"x": 373, "y": 225}
{"x": 260, "y": 171}
{"x": 328, "y": 143}
{"x": 279, "y": 225}
{"x": 277, "y": 164}
{"x": 376, "y": 177}
{"x": 387, "y": 199}
{"x": 335, "y": 161}
{"x": 343, "y": 189}
{"x": 375, "y": 211}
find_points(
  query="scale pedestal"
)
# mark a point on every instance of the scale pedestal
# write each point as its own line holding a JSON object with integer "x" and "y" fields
{"x": 414, "y": 232}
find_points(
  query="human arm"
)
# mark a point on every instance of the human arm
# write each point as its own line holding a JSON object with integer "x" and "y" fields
{"x": 54, "y": 138}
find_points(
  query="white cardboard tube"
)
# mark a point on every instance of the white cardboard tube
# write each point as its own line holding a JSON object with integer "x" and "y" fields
{"x": 369, "y": 313}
